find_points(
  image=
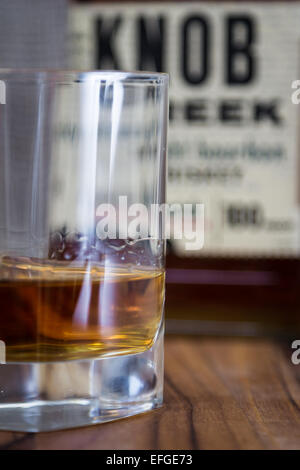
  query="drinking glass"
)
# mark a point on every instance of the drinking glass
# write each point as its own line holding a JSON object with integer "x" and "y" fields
{"x": 82, "y": 180}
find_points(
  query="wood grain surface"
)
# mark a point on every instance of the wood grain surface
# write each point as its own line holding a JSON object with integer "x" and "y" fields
{"x": 219, "y": 394}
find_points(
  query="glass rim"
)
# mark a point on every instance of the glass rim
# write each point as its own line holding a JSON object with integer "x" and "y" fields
{"x": 56, "y": 75}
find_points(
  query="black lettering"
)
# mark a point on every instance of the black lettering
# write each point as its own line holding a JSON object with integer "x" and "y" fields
{"x": 230, "y": 111}
{"x": 240, "y": 65}
{"x": 105, "y": 34}
{"x": 192, "y": 76}
{"x": 196, "y": 111}
{"x": 171, "y": 110}
{"x": 150, "y": 44}
{"x": 269, "y": 111}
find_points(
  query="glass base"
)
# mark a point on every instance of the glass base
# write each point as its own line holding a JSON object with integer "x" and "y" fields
{"x": 45, "y": 397}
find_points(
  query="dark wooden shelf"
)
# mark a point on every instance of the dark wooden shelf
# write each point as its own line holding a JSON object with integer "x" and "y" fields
{"x": 219, "y": 394}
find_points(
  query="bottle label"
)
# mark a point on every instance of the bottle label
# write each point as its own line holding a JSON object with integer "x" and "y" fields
{"x": 233, "y": 135}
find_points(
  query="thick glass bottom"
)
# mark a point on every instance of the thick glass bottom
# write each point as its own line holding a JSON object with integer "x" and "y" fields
{"x": 38, "y": 397}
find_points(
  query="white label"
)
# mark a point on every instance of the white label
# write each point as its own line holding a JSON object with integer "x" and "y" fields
{"x": 233, "y": 138}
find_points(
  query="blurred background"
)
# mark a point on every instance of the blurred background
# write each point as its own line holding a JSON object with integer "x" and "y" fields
{"x": 233, "y": 138}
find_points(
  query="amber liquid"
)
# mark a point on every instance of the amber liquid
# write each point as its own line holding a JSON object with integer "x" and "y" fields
{"x": 52, "y": 313}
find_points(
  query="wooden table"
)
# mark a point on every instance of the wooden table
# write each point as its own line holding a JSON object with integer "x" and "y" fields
{"x": 219, "y": 394}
